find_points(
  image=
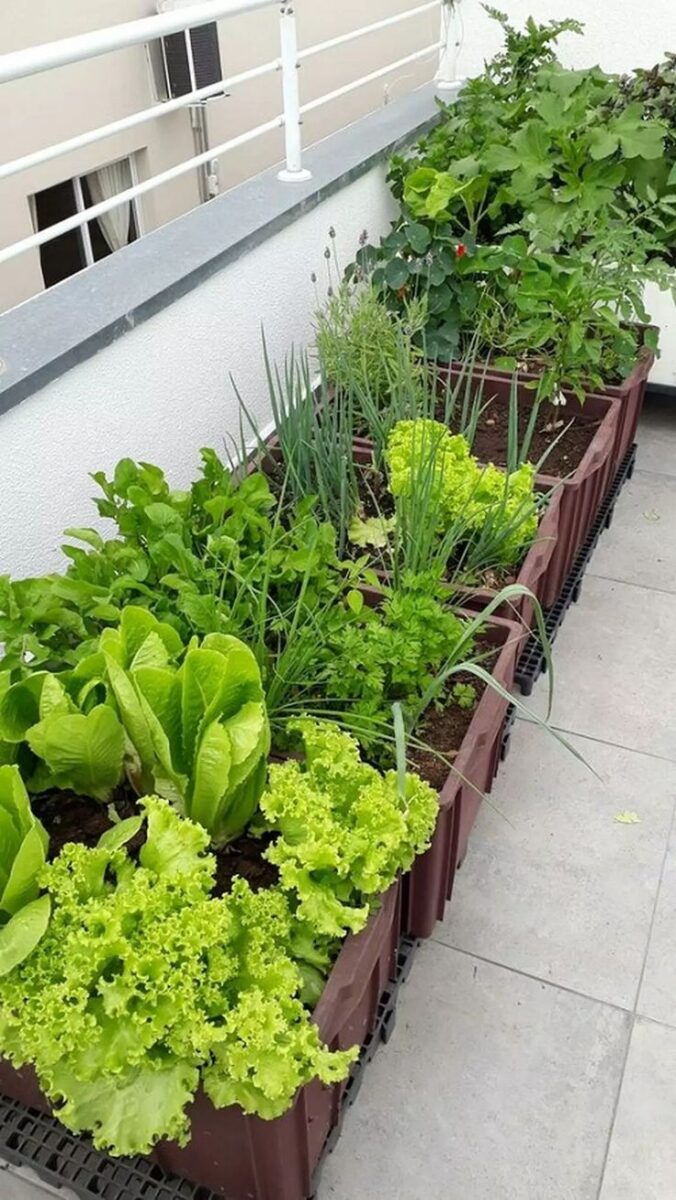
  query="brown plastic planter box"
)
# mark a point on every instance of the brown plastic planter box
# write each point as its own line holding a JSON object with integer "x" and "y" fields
{"x": 429, "y": 883}
{"x": 246, "y": 1158}
{"x": 630, "y": 392}
{"x": 581, "y": 492}
{"x": 535, "y": 568}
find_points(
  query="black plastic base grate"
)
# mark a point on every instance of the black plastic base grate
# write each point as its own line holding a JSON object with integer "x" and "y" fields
{"x": 62, "y": 1160}
{"x": 532, "y": 661}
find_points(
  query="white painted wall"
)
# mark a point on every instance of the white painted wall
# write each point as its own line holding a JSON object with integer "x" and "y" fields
{"x": 619, "y": 34}
{"x": 162, "y": 390}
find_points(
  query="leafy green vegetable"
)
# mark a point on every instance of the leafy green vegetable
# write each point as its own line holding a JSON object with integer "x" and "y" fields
{"x": 196, "y": 733}
{"x": 346, "y": 830}
{"x": 465, "y": 494}
{"x": 23, "y": 847}
{"x": 546, "y": 206}
{"x": 144, "y": 984}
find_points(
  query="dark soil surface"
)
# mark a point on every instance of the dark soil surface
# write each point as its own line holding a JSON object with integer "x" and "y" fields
{"x": 443, "y": 731}
{"x": 68, "y": 817}
{"x": 243, "y": 858}
{"x": 490, "y": 442}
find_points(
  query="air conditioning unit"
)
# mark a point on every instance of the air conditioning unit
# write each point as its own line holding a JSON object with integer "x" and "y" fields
{"x": 191, "y": 58}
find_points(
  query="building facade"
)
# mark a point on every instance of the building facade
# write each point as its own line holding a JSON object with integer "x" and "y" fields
{"x": 62, "y": 103}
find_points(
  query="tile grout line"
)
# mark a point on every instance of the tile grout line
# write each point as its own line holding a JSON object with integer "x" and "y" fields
{"x": 635, "y": 1013}
{"x": 587, "y": 737}
{"x": 560, "y": 987}
{"x": 629, "y": 583}
{"x": 648, "y": 471}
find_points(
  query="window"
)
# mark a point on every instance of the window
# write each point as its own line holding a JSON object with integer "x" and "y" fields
{"x": 192, "y": 59}
{"x": 95, "y": 239}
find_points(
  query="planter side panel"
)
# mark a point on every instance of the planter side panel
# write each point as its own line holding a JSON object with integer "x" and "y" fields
{"x": 245, "y": 1158}
{"x": 582, "y": 494}
{"x": 476, "y": 761}
{"x": 429, "y": 884}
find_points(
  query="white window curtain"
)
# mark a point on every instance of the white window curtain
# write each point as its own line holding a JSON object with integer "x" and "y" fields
{"x": 103, "y": 184}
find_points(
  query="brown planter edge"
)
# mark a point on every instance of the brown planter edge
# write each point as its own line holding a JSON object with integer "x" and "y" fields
{"x": 244, "y": 1157}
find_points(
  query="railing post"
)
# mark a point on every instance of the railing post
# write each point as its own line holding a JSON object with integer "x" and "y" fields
{"x": 294, "y": 172}
{"x": 446, "y": 78}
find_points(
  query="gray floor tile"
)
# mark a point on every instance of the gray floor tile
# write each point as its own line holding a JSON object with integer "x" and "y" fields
{"x": 642, "y": 1158}
{"x": 614, "y": 668}
{"x": 656, "y": 438}
{"x": 658, "y": 990}
{"x": 552, "y": 884}
{"x": 493, "y": 1085}
{"x": 25, "y": 1185}
{"x": 640, "y": 546}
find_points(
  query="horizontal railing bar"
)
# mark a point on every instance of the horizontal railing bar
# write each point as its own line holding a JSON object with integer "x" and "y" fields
{"x": 344, "y": 38}
{"x": 351, "y": 87}
{"x": 163, "y": 109}
{"x": 139, "y": 189}
{"x": 20, "y": 63}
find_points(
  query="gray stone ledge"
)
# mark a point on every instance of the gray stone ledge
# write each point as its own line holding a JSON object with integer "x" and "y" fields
{"x": 43, "y": 338}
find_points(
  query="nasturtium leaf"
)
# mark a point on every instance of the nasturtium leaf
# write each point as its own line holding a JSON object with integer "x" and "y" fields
{"x": 419, "y": 237}
{"x": 397, "y": 273}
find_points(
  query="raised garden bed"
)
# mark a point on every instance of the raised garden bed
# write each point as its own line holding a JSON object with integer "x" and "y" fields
{"x": 245, "y": 1158}
{"x": 475, "y": 753}
{"x": 533, "y": 570}
{"x": 581, "y": 466}
{"x": 630, "y": 391}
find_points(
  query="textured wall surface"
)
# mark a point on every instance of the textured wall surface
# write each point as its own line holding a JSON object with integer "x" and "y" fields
{"x": 619, "y": 35}
{"x": 162, "y": 390}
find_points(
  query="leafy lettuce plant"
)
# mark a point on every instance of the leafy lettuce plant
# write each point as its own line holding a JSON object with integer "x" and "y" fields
{"x": 144, "y": 985}
{"x": 24, "y": 914}
{"x": 187, "y": 723}
{"x": 466, "y": 495}
{"x": 57, "y": 742}
{"x": 344, "y": 829}
{"x": 197, "y": 733}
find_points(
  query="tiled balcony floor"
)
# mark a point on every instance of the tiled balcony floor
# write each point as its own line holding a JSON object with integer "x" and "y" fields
{"x": 535, "y": 1051}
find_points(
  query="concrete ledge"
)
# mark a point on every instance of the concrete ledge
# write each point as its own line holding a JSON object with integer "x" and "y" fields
{"x": 43, "y": 338}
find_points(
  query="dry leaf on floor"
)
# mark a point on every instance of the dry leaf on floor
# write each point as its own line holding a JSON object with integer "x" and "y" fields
{"x": 651, "y": 515}
{"x": 627, "y": 818}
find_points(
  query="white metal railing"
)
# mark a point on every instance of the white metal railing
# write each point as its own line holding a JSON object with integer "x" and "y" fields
{"x": 25, "y": 63}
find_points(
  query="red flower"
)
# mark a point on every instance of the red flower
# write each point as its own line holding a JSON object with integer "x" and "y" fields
{"x": 460, "y": 250}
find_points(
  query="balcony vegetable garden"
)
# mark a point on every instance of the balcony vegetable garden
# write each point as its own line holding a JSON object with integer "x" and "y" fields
{"x": 243, "y": 740}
